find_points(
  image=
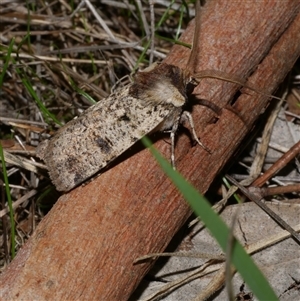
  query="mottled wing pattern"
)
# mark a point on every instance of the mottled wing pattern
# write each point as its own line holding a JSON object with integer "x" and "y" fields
{"x": 103, "y": 132}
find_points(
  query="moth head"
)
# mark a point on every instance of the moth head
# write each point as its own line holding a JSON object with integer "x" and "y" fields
{"x": 165, "y": 84}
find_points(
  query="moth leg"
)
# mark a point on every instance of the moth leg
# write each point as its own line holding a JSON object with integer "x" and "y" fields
{"x": 172, "y": 136}
{"x": 188, "y": 116}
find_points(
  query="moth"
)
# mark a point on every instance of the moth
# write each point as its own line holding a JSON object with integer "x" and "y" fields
{"x": 153, "y": 102}
{"x": 87, "y": 144}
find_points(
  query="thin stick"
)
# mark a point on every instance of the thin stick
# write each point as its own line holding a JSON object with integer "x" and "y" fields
{"x": 257, "y": 200}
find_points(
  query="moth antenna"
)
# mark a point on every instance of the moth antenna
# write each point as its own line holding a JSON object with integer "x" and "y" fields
{"x": 217, "y": 74}
{"x": 192, "y": 62}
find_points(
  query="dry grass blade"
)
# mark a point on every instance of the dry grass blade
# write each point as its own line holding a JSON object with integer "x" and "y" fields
{"x": 205, "y": 269}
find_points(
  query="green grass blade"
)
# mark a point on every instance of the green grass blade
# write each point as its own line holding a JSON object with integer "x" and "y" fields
{"x": 10, "y": 206}
{"x": 182, "y": 9}
{"x": 165, "y": 15}
{"x": 6, "y": 63}
{"x": 235, "y": 195}
{"x": 177, "y": 42}
{"x": 40, "y": 104}
{"x": 29, "y": 86}
{"x": 85, "y": 95}
{"x": 240, "y": 259}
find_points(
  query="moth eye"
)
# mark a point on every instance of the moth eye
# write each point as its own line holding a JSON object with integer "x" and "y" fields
{"x": 189, "y": 88}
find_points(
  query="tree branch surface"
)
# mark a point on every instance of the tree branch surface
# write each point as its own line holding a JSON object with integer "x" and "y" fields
{"x": 85, "y": 247}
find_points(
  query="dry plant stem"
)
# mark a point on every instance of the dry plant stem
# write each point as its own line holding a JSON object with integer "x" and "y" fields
{"x": 214, "y": 285}
{"x": 259, "y": 159}
{"x": 280, "y": 190}
{"x": 254, "y": 195}
{"x": 87, "y": 244}
{"x": 277, "y": 166}
{"x": 205, "y": 269}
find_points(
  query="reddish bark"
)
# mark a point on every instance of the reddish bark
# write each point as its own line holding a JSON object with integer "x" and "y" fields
{"x": 86, "y": 245}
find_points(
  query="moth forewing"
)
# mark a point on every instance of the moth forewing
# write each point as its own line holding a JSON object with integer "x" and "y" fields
{"x": 103, "y": 132}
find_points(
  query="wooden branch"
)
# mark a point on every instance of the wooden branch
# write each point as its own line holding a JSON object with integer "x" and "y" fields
{"x": 86, "y": 245}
